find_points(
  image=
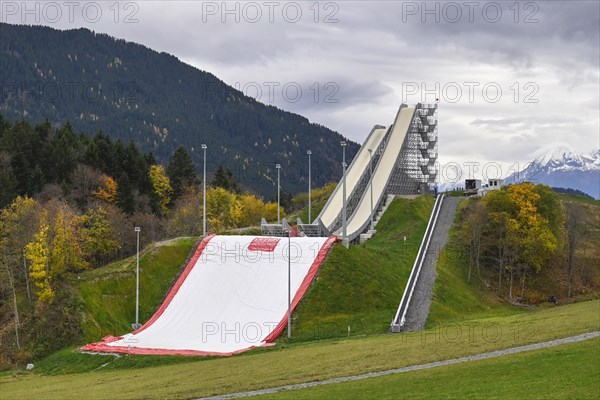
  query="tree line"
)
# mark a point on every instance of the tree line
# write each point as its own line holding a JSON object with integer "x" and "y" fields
{"x": 513, "y": 234}
{"x": 70, "y": 203}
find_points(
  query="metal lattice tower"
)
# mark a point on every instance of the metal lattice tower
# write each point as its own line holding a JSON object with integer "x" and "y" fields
{"x": 415, "y": 170}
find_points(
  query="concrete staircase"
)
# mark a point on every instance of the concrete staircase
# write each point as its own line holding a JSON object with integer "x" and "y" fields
{"x": 367, "y": 235}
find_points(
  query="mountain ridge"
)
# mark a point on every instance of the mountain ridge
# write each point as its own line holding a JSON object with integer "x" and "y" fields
{"x": 564, "y": 168}
{"x": 131, "y": 92}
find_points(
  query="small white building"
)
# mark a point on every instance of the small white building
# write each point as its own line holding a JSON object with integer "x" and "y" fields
{"x": 493, "y": 184}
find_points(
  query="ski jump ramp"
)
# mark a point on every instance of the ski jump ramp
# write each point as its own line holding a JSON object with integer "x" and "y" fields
{"x": 231, "y": 297}
{"x": 389, "y": 142}
{"x": 332, "y": 209}
{"x": 362, "y": 215}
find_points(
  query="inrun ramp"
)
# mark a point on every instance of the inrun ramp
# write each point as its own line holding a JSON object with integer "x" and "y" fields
{"x": 332, "y": 210}
{"x": 231, "y": 297}
{"x": 387, "y": 146}
{"x": 361, "y": 217}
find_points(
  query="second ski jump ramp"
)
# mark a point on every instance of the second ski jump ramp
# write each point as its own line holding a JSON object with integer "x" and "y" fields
{"x": 231, "y": 297}
{"x": 359, "y": 165}
{"x": 359, "y": 220}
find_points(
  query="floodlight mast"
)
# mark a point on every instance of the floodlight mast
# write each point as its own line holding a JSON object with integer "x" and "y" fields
{"x": 344, "y": 233}
{"x": 137, "y": 280}
{"x": 371, "y": 182}
{"x": 309, "y": 152}
{"x": 204, "y": 194}
{"x": 278, "y": 166}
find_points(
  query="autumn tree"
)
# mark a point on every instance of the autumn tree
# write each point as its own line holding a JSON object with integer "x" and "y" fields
{"x": 84, "y": 181}
{"x": 520, "y": 216}
{"x": 66, "y": 250}
{"x": 162, "y": 190}
{"x": 38, "y": 254}
{"x": 536, "y": 241}
{"x": 270, "y": 211}
{"x": 18, "y": 223}
{"x": 107, "y": 190}
{"x": 253, "y": 209}
{"x": 219, "y": 206}
{"x": 99, "y": 239}
{"x": 185, "y": 217}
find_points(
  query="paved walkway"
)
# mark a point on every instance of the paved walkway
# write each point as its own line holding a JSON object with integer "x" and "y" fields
{"x": 482, "y": 356}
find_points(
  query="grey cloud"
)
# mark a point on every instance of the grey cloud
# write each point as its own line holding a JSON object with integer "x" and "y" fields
{"x": 372, "y": 50}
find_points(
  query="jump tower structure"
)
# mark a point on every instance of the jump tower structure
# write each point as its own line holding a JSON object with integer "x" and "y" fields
{"x": 398, "y": 160}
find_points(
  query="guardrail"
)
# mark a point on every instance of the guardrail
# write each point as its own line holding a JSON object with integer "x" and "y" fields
{"x": 400, "y": 317}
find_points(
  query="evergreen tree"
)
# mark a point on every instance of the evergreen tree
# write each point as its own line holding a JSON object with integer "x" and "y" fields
{"x": 8, "y": 183}
{"x": 224, "y": 179}
{"x": 181, "y": 171}
{"x": 125, "y": 198}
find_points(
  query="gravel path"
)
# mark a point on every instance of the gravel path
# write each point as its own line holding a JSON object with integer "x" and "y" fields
{"x": 493, "y": 354}
{"x": 418, "y": 310}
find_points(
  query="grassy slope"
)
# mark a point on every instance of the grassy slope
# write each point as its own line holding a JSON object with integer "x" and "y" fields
{"x": 318, "y": 200}
{"x": 287, "y": 364}
{"x": 529, "y": 375}
{"x": 578, "y": 199}
{"x": 454, "y": 299}
{"x": 361, "y": 286}
{"x": 108, "y": 294}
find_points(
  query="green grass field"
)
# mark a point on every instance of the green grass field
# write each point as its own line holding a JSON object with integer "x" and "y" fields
{"x": 570, "y": 371}
{"x": 300, "y": 362}
{"x": 358, "y": 287}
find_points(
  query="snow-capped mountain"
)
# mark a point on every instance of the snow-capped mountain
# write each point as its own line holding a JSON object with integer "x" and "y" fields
{"x": 563, "y": 168}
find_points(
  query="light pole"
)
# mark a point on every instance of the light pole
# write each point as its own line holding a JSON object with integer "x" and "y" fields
{"x": 137, "y": 281}
{"x": 289, "y": 283}
{"x": 309, "y": 152}
{"x": 278, "y": 166}
{"x": 371, "y": 182}
{"x": 343, "y": 143}
{"x": 204, "y": 194}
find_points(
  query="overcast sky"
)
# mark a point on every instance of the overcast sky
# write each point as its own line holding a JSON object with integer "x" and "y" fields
{"x": 513, "y": 80}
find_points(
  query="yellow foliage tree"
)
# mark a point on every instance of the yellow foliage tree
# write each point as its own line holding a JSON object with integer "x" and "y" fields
{"x": 67, "y": 252}
{"x": 536, "y": 241}
{"x": 227, "y": 210}
{"x": 37, "y": 252}
{"x": 162, "y": 188}
{"x": 99, "y": 239}
{"x": 252, "y": 210}
{"x": 219, "y": 204}
{"x": 270, "y": 211}
{"x": 236, "y": 210}
{"x": 521, "y": 232}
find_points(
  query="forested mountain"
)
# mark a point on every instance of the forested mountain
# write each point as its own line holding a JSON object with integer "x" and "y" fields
{"x": 130, "y": 92}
